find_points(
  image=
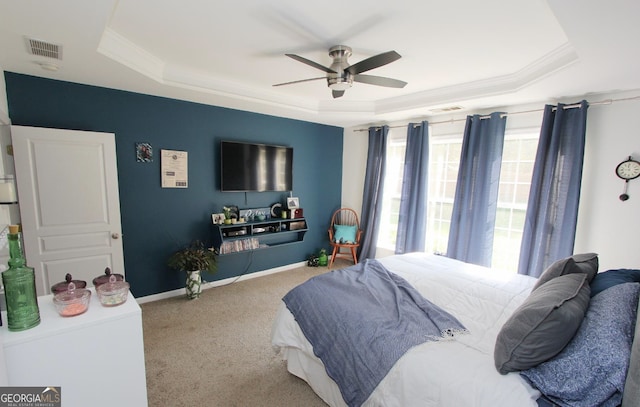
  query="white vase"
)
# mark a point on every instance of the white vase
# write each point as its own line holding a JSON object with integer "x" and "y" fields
{"x": 193, "y": 284}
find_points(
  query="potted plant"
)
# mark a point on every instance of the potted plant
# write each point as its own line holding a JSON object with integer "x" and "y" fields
{"x": 229, "y": 215}
{"x": 194, "y": 259}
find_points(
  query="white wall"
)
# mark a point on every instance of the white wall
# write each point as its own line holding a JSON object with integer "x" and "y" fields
{"x": 4, "y": 106}
{"x": 354, "y": 164}
{"x": 8, "y": 213}
{"x": 5, "y": 214}
{"x": 606, "y": 225}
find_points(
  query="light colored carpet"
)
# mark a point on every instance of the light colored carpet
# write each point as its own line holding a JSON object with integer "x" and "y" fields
{"x": 216, "y": 350}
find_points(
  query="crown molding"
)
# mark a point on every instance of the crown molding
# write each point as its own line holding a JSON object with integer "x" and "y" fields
{"x": 180, "y": 77}
{"x": 120, "y": 49}
{"x": 558, "y": 59}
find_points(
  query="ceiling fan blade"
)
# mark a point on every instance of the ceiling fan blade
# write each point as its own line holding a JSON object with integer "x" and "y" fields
{"x": 373, "y": 62}
{"x": 300, "y": 81}
{"x": 337, "y": 93}
{"x": 379, "y": 81}
{"x": 310, "y": 63}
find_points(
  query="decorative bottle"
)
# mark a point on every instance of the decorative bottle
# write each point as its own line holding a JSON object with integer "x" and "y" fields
{"x": 19, "y": 287}
{"x": 323, "y": 260}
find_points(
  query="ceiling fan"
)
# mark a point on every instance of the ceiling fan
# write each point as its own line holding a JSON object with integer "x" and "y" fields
{"x": 340, "y": 75}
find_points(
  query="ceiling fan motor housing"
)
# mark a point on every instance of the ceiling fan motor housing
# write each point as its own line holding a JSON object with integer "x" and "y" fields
{"x": 341, "y": 80}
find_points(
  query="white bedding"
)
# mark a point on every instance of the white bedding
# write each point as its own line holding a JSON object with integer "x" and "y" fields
{"x": 454, "y": 373}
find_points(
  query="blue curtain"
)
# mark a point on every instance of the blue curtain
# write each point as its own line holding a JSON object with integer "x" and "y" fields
{"x": 373, "y": 188}
{"x": 412, "y": 220}
{"x": 476, "y": 198}
{"x": 552, "y": 212}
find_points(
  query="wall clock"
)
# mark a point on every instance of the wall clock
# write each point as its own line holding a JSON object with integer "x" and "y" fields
{"x": 627, "y": 170}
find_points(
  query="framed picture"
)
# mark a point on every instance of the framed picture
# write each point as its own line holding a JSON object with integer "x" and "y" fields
{"x": 293, "y": 203}
{"x": 144, "y": 153}
{"x": 175, "y": 169}
{"x": 217, "y": 218}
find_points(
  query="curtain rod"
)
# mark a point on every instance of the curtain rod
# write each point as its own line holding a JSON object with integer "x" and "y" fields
{"x": 573, "y": 106}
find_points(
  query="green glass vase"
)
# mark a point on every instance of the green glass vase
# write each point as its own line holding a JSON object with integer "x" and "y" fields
{"x": 19, "y": 287}
{"x": 323, "y": 260}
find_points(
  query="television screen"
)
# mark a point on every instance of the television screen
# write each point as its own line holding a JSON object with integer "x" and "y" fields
{"x": 255, "y": 167}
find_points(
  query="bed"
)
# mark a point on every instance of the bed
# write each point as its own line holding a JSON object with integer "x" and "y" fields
{"x": 462, "y": 369}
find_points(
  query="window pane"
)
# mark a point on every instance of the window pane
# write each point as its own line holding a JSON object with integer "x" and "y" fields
{"x": 529, "y": 146}
{"x": 510, "y": 148}
{"x": 447, "y": 211}
{"x": 505, "y": 194}
{"x": 513, "y": 196}
{"x": 455, "y": 149}
{"x": 521, "y": 194}
{"x": 517, "y": 220}
{"x": 450, "y": 190}
{"x": 509, "y": 171}
{"x": 396, "y": 141}
{"x": 452, "y": 171}
{"x": 443, "y": 174}
{"x": 503, "y": 218}
{"x": 525, "y": 171}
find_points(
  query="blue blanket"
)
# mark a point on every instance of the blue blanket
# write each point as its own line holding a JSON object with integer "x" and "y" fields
{"x": 361, "y": 320}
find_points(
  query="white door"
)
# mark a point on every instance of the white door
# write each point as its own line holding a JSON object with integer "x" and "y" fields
{"x": 67, "y": 184}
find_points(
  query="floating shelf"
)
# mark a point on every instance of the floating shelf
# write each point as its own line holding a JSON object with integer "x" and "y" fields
{"x": 241, "y": 237}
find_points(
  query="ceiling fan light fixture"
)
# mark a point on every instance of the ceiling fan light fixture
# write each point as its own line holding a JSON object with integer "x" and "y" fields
{"x": 340, "y": 82}
{"x": 339, "y": 85}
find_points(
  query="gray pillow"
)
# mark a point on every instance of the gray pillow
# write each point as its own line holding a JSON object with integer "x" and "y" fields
{"x": 578, "y": 263}
{"x": 543, "y": 325}
{"x": 587, "y": 263}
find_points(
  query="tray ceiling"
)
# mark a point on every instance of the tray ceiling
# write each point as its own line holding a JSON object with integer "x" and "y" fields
{"x": 460, "y": 53}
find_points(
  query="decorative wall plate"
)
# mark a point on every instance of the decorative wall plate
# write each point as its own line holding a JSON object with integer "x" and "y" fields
{"x": 276, "y": 210}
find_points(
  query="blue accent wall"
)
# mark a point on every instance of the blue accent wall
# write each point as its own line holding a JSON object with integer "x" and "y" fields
{"x": 156, "y": 221}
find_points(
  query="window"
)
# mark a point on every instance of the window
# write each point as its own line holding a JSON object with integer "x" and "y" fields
{"x": 396, "y": 143}
{"x": 513, "y": 196}
{"x": 444, "y": 161}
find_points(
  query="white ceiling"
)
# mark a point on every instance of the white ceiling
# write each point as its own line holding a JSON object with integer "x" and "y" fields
{"x": 463, "y": 53}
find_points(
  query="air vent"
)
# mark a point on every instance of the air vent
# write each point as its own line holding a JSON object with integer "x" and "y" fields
{"x": 43, "y": 48}
{"x": 446, "y": 109}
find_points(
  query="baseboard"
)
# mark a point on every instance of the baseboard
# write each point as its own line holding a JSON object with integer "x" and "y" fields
{"x": 218, "y": 283}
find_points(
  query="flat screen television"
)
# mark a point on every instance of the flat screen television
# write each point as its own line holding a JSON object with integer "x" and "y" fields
{"x": 255, "y": 167}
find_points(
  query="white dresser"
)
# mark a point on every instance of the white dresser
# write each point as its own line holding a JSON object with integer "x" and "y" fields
{"x": 97, "y": 357}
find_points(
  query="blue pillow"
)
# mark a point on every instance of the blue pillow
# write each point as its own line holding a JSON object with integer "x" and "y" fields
{"x": 344, "y": 234}
{"x": 609, "y": 278}
{"x": 592, "y": 369}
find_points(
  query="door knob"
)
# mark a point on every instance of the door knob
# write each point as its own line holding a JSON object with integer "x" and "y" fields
{"x": 115, "y": 236}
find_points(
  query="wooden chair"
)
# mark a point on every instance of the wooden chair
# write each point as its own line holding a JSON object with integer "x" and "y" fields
{"x": 344, "y": 233}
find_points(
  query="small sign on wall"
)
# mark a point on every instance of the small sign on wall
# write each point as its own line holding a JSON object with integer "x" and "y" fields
{"x": 175, "y": 170}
